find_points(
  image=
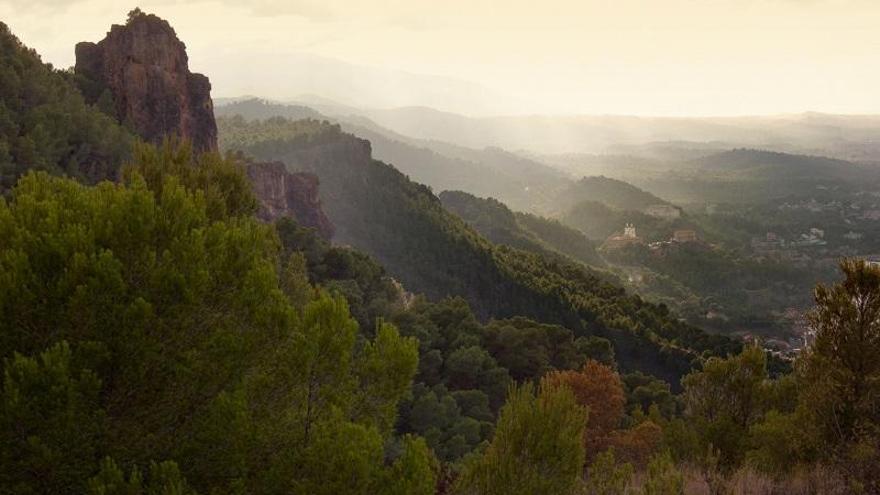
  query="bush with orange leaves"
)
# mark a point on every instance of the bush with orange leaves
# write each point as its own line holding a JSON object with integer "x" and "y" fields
{"x": 599, "y": 388}
{"x": 637, "y": 444}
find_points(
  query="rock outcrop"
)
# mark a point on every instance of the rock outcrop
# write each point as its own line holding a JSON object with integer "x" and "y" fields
{"x": 282, "y": 193}
{"x": 145, "y": 69}
{"x": 141, "y": 70}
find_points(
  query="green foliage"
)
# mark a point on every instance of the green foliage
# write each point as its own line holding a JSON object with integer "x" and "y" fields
{"x": 538, "y": 446}
{"x": 407, "y": 475}
{"x": 370, "y": 293}
{"x": 386, "y": 371}
{"x": 644, "y": 392}
{"x": 839, "y": 376}
{"x": 171, "y": 293}
{"x": 222, "y": 182}
{"x": 164, "y": 479}
{"x": 497, "y": 223}
{"x": 460, "y": 386}
{"x": 731, "y": 387}
{"x": 562, "y": 238}
{"x": 340, "y": 459}
{"x": 606, "y": 477}
{"x": 529, "y": 349}
{"x": 295, "y": 280}
{"x": 840, "y": 371}
{"x": 50, "y": 423}
{"x": 663, "y": 478}
{"x": 726, "y": 398}
{"x": 777, "y": 443}
{"x": 46, "y": 125}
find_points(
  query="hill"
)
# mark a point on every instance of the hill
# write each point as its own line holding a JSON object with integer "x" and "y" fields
{"x": 517, "y": 181}
{"x": 375, "y": 208}
{"x": 611, "y": 192}
{"x": 762, "y": 164}
{"x": 848, "y": 137}
{"x": 45, "y": 123}
{"x": 252, "y": 108}
{"x": 497, "y": 223}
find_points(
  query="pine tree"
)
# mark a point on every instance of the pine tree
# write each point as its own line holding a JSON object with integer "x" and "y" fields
{"x": 840, "y": 373}
{"x": 538, "y": 446}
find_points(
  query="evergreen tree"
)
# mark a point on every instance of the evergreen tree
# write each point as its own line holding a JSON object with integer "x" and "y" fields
{"x": 51, "y": 424}
{"x": 538, "y": 446}
{"x": 840, "y": 373}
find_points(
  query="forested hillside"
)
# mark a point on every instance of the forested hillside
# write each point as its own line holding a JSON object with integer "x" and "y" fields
{"x": 611, "y": 192}
{"x": 377, "y": 209}
{"x": 497, "y": 223}
{"x": 45, "y": 123}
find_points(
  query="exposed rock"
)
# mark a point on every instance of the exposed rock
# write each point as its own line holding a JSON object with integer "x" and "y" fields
{"x": 144, "y": 67}
{"x": 282, "y": 193}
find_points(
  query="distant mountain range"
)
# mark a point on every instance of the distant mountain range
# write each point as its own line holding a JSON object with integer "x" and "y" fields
{"x": 849, "y": 137}
{"x": 703, "y": 160}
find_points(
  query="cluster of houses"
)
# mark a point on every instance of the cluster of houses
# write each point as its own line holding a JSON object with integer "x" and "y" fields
{"x": 629, "y": 237}
{"x": 774, "y": 246}
{"x": 803, "y": 335}
{"x": 861, "y": 210}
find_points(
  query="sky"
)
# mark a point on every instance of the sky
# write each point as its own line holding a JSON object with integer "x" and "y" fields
{"x": 633, "y": 57}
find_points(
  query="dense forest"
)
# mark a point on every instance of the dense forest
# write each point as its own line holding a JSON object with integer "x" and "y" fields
{"x": 45, "y": 123}
{"x": 157, "y": 338}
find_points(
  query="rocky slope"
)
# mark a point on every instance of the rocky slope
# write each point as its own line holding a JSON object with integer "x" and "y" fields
{"x": 282, "y": 193}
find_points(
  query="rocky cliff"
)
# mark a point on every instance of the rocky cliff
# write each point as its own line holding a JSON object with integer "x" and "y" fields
{"x": 282, "y": 193}
{"x": 140, "y": 72}
{"x": 144, "y": 68}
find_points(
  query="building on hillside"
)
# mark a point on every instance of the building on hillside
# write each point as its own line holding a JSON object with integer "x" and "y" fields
{"x": 627, "y": 238}
{"x": 684, "y": 236}
{"x": 667, "y": 212}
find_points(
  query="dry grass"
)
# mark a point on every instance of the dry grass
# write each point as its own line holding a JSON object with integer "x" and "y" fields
{"x": 747, "y": 481}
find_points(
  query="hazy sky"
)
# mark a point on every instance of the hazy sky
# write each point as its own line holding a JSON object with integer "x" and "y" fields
{"x": 646, "y": 57}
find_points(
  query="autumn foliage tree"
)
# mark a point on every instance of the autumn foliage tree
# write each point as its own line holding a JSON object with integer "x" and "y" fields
{"x": 598, "y": 388}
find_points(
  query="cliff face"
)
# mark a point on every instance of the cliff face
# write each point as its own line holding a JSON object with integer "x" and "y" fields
{"x": 282, "y": 193}
{"x": 145, "y": 68}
